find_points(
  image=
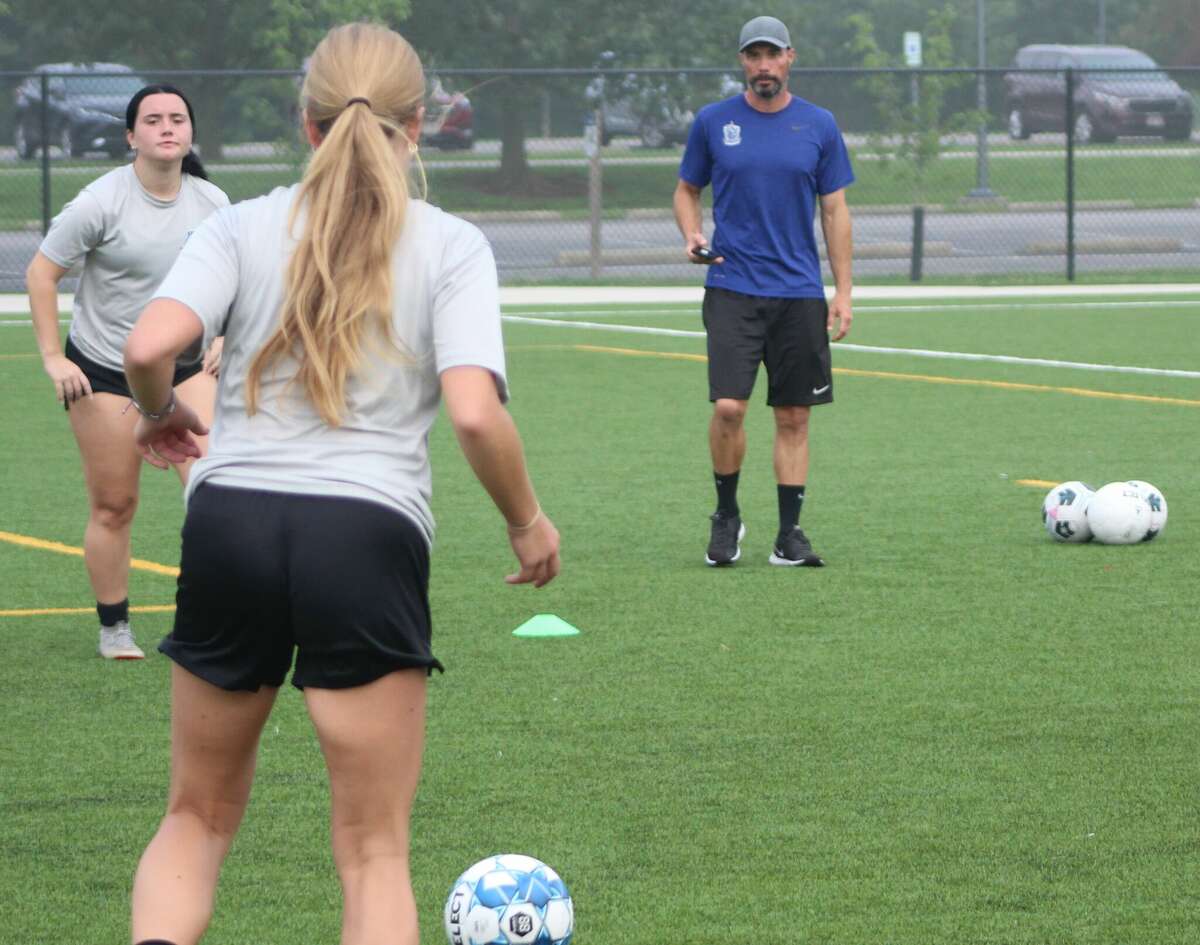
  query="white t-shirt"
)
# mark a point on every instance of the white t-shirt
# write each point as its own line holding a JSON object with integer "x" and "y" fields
{"x": 446, "y": 313}
{"x": 126, "y": 239}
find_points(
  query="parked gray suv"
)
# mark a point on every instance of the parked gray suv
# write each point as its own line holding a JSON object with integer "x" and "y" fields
{"x": 1109, "y": 100}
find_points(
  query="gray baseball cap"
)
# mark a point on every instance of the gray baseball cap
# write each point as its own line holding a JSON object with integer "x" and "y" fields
{"x": 764, "y": 29}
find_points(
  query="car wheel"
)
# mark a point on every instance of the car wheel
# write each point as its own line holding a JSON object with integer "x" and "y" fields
{"x": 1178, "y": 133}
{"x": 1017, "y": 129}
{"x": 652, "y": 137}
{"x": 23, "y": 142}
{"x": 65, "y": 143}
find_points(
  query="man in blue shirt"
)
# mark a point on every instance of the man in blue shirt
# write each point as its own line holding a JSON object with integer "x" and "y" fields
{"x": 770, "y": 157}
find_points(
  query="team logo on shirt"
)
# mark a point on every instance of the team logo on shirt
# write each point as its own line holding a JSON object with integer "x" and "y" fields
{"x": 733, "y": 134}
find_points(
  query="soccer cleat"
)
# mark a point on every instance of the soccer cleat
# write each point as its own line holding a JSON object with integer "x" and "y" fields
{"x": 116, "y": 643}
{"x": 724, "y": 544}
{"x": 793, "y": 550}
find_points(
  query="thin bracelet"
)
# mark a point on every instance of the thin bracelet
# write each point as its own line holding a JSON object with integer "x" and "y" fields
{"x": 166, "y": 411}
{"x": 520, "y": 529}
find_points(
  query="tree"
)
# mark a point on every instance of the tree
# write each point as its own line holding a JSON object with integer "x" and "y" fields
{"x": 914, "y": 118}
{"x": 218, "y": 34}
{"x": 545, "y": 34}
{"x": 1166, "y": 29}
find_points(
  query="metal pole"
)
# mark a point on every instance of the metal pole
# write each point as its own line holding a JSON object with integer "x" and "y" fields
{"x": 1070, "y": 174}
{"x": 918, "y": 244}
{"x": 981, "y": 144}
{"x": 45, "y": 123}
{"x": 1100, "y": 33}
{"x": 595, "y": 194}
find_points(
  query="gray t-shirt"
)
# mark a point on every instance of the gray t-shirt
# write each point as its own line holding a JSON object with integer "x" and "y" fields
{"x": 445, "y": 313}
{"x": 126, "y": 239}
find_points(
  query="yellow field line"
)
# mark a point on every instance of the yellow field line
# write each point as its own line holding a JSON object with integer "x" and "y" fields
{"x": 136, "y": 563}
{"x": 1014, "y": 385}
{"x": 18, "y": 357}
{"x": 55, "y": 611}
{"x": 923, "y": 378}
{"x": 1036, "y": 483}
{"x": 641, "y": 352}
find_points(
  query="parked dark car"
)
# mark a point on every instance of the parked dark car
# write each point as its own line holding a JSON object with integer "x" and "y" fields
{"x": 449, "y": 118}
{"x": 84, "y": 112}
{"x": 643, "y": 107}
{"x": 1109, "y": 101}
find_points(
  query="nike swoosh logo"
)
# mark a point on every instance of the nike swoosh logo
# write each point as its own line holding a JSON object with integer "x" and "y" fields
{"x": 820, "y": 390}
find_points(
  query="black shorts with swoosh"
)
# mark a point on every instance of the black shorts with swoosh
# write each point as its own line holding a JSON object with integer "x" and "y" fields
{"x": 789, "y": 336}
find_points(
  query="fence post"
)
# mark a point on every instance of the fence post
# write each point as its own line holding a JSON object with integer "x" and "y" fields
{"x": 918, "y": 244}
{"x": 595, "y": 193}
{"x": 45, "y": 123}
{"x": 1070, "y": 116}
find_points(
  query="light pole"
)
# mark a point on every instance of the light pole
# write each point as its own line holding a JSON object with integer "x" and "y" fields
{"x": 981, "y": 146}
{"x": 1100, "y": 31}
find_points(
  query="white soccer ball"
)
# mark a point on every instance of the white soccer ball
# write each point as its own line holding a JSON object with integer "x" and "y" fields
{"x": 1154, "y": 498}
{"x": 1118, "y": 515}
{"x": 509, "y": 899}
{"x": 1064, "y": 511}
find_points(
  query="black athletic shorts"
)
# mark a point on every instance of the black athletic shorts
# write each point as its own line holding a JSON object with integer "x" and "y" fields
{"x": 789, "y": 336}
{"x": 341, "y": 583}
{"x": 106, "y": 380}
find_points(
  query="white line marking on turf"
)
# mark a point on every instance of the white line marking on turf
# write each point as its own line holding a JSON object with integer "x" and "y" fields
{"x": 15, "y": 322}
{"x": 871, "y": 349}
{"x": 860, "y": 307}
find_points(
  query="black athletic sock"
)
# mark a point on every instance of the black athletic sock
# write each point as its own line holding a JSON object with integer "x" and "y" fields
{"x": 155, "y": 941}
{"x": 791, "y": 498}
{"x": 110, "y": 614}
{"x": 727, "y": 493}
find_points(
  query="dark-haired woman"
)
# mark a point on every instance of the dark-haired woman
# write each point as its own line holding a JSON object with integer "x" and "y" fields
{"x": 124, "y": 230}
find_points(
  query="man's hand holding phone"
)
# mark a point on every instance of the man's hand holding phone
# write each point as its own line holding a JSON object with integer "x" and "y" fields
{"x": 698, "y": 251}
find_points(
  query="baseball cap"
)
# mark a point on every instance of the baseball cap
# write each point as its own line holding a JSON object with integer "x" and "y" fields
{"x": 764, "y": 29}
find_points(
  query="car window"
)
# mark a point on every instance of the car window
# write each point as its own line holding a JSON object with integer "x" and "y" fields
{"x": 1104, "y": 65}
{"x": 103, "y": 85}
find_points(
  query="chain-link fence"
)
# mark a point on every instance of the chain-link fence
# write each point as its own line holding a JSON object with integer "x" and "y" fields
{"x": 570, "y": 173}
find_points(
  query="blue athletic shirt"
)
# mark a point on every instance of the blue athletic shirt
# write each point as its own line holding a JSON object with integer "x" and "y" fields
{"x": 766, "y": 169}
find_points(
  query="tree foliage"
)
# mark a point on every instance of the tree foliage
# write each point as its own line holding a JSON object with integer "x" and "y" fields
{"x": 217, "y": 34}
{"x": 912, "y": 116}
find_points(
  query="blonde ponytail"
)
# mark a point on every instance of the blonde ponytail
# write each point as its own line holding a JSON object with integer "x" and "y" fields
{"x": 364, "y": 83}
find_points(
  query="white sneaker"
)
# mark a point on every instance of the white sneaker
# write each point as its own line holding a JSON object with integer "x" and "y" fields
{"x": 116, "y": 643}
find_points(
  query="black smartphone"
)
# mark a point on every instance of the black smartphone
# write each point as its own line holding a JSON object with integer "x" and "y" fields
{"x": 703, "y": 252}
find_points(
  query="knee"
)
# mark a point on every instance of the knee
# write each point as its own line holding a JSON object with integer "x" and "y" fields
{"x": 114, "y": 511}
{"x": 216, "y": 818}
{"x": 358, "y": 842}
{"x": 729, "y": 413}
{"x": 792, "y": 421}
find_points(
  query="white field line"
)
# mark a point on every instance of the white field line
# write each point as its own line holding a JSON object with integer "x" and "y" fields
{"x": 860, "y": 308}
{"x": 651, "y": 295}
{"x": 872, "y": 349}
{"x": 13, "y": 303}
{"x": 868, "y": 307}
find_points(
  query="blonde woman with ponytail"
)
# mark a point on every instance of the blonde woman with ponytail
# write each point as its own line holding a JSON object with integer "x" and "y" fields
{"x": 350, "y": 309}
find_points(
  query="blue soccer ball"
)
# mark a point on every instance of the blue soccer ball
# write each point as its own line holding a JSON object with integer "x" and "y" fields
{"x": 509, "y": 899}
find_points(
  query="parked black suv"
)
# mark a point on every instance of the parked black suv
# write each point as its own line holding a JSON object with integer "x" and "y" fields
{"x": 1109, "y": 101}
{"x": 85, "y": 112}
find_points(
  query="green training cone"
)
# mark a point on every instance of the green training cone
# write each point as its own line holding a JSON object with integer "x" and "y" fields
{"x": 545, "y": 625}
